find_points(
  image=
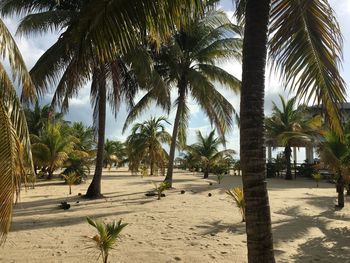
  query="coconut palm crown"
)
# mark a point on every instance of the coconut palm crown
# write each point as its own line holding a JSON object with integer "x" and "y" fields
{"x": 290, "y": 126}
{"x": 206, "y": 151}
{"x": 145, "y": 144}
{"x": 187, "y": 63}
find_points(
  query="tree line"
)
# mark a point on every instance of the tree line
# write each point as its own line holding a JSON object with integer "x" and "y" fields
{"x": 122, "y": 48}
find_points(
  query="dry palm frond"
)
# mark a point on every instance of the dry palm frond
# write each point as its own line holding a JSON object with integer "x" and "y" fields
{"x": 237, "y": 195}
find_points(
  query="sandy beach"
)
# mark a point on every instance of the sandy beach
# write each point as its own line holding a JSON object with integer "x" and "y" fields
{"x": 190, "y": 227}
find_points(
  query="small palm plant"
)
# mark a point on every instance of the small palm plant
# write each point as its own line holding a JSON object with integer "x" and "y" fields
{"x": 219, "y": 177}
{"x": 237, "y": 195}
{"x": 71, "y": 178}
{"x": 31, "y": 179}
{"x": 106, "y": 237}
{"x": 317, "y": 177}
{"x": 161, "y": 188}
{"x": 144, "y": 170}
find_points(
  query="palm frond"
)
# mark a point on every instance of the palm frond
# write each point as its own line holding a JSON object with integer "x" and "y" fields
{"x": 10, "y": 51}
{"x": 41, "y": 23}
{"x": 306, "y": 45}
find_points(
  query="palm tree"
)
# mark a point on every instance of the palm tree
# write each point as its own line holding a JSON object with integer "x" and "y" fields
{"x": 110, "y": 156}
{"x": 83, "y": 51}
{"x": 145, "y": 144}
{"x": 291, "y": 127}
{"x": 335, "y": 154}
{"x": 206, "y": 151}
{"x": 39, "y": 116}
{"x": 85, "y": 135}
{"x": 111, "y": 80}
{"x": 187, "y": 63}
{"x": 305, "y": 44}
{"x": 114, "y": 153}
{"x": 52, "y": 147}
{"x": 107, "y": 236}
{"x": 15, "y": 153}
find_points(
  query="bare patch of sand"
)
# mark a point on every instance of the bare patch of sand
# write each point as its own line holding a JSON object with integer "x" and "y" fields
{"x": 190, "y": 227}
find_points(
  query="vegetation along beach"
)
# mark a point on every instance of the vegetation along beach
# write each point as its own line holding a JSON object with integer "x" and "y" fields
{"x": 174, "y": 131}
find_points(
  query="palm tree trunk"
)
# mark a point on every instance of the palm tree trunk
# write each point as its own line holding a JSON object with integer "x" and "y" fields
{"x": 180, "y": 105}
{"x": 287, "y": 154}
{"x": 206, "y": 173}
{"x": 49, "y": 174}
{"x": 94, "y": 190}
{"x": 340, "y": 191}
{"x": 253, "y": 159}
{"x": 151, "y": 167}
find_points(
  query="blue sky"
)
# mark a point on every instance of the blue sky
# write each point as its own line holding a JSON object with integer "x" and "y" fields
{"x": 80, "y": 108}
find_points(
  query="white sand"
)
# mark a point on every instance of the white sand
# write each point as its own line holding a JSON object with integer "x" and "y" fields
{"x": 189, "y": 228}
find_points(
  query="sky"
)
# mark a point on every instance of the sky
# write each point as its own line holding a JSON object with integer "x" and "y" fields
{"x": 80, "y": 108}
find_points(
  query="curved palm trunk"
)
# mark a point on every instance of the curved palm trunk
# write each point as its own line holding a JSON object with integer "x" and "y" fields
{"x": 258, "y": 218}
{"x": 287, "y": 154}
{"x": 94, "y": 190}
{"x": 340, "y": 190}
{"x": 181, "y": 103}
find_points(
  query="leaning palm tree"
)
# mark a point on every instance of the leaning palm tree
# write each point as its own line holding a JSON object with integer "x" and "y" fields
{"x": 145, "y": 144}
{"x": 187, "y": 63}
{"x": 84, "y": 50}
{"x": 291, "y": 126}
{"x": 206, "y": 151}
{"x": 14, "y": 139}
{"x": 304, "y": 43}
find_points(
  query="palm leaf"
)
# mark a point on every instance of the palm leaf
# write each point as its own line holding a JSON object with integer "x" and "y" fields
{"x": 306, "y": 45}
{"x": 10, "y": 51}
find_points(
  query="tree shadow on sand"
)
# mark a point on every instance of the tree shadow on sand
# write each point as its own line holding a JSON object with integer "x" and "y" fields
{"x": 68, "y": 220}
{"x": 217, "y": 226}
{"x": 332, "y": 245}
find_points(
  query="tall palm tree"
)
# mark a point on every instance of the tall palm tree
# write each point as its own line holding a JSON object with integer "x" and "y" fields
{"x": 206, "y": 151}
{"x": 14, "y": 139}
{"x": 305, "y": 44}
{"x": 145, "y": 144}
{"x": 290, "y": 127}
{"x": 187, "y": 63}
{"x": 91, "y": 44}
{"x": 111, "y": 80}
